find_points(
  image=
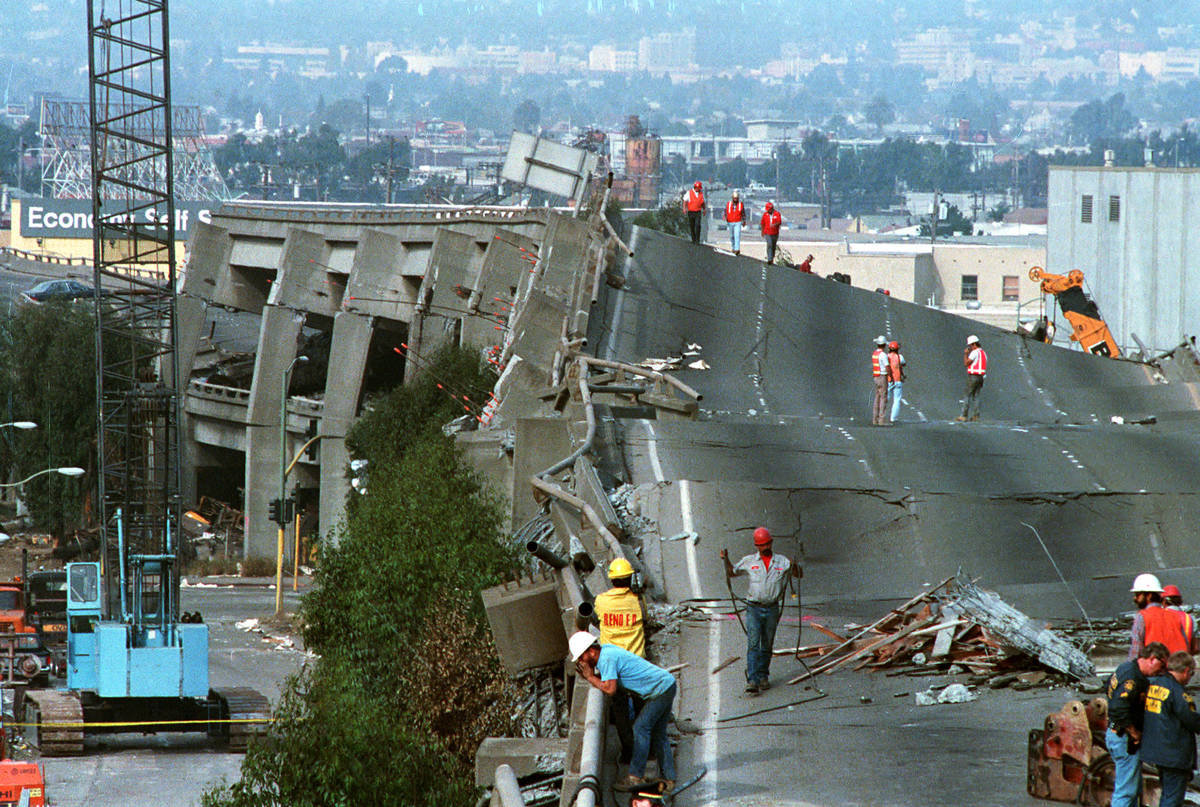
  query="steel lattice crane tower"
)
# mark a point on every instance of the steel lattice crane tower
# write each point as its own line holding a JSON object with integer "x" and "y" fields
{"x": 132, "y": 660}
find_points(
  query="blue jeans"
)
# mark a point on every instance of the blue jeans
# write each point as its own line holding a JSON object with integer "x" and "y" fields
{"x": 1127, "y": 770}
{"x": 735, "y": 235}
{"x": 650, "y": 730}
{"x": 761, "y": 622}
{"x": 895, "y": 390}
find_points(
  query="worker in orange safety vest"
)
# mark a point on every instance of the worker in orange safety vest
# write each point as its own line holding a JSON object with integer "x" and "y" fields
{"x": 879, "y": 375}
{"x": 1172, "y": 599}
{"x": 1153, "y": 622}
{"x": 735, "y": 215}
{"x": 975, "y": 360}
{"x": 772, "y": 220}
{"x": 694, "y": 206}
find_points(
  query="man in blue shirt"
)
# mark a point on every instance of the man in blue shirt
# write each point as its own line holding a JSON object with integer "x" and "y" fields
{"x": 608, "y": 667}
{"x": 1171, "y": 724}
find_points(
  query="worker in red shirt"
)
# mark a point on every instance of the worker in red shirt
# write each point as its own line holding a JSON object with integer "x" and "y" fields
{"x": 1173, "y": 601}
{"x": 770, "y": 224}
{"x": 806, "y": 265}
{"x": 895, "y": 377}
{"x": 694, "y": 206}
{"x": 735, "y": 214}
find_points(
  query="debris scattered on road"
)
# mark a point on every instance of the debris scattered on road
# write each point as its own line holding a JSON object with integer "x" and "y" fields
{"x": 679, "y": 536}
{"x": 247, "y": 624}
{"x": 699, "y": 364}
{"x": 724, "y": 664}
{"x": 954, "y": 628}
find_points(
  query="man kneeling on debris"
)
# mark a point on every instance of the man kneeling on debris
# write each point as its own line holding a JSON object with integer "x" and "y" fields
{"x": 1169, "y": 738}
{"x": 1126, "y": 703}
{"x": 607, "y": 667}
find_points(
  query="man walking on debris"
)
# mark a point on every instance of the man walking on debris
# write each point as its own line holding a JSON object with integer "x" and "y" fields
{"x": 975, "y": 360}
{"x": 1126, "y": 702}
{"x": 1173, "y": 600}
{"x": 768, "y": 572}
{"x": 694, "y": 206}
{"x": 770, "y": 224}
{"x": 895, "y": 378}
{"x": 1153, "y": 623}
{"x": 735, "y": 214}
{"x": 1171, "y": 724}
{"x": 879, "y": 376}
{"x": 607, "y": 667}
{"x": 622, "y": 623}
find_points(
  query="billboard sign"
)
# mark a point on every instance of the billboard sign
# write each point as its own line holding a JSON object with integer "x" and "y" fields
{"x": 548, "y": 166}
{"x": 72, "y": 218}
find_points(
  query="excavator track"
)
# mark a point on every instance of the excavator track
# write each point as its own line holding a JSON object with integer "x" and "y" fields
{"x": 46, "y": 707}
{"x": 240, "y": 704}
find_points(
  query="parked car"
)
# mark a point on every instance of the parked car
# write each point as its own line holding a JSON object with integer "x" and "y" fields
{"x": 58, "y": 290}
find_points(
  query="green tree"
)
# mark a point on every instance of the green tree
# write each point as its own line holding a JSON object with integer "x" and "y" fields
{"x": 526, "y": 116}
{"x": 47, "y": 357}
{"x": 1099, "y": 119}
{"x": 879, "y": 113}
{"x": 668, "y": 219}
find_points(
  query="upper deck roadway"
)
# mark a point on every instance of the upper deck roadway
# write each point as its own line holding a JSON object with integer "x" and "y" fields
{"x": 876, "y": 514}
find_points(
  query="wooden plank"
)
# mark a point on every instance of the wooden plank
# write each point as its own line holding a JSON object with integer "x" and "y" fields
{"x": 834, "y": 664}
{"x": 827, "y": 632}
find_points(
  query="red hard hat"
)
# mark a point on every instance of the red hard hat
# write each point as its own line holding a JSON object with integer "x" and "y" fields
{"x": 697, "y": 185}
{"x": 893, "y": 345}
{"x": 762, "y": 536}
{"x": 768, "y": 206}
{"x": 1171, "y": 591}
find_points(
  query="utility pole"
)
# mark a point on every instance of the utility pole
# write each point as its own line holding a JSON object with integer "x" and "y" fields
{"x": 368, "y": 97}
{"x": 391, "y": 171}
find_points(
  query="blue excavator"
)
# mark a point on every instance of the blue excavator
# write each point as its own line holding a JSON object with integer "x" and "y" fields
{"x": 135, "y": 663}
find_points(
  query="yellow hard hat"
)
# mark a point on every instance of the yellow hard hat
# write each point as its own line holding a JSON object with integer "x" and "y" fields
{"x": 619, "y": 568}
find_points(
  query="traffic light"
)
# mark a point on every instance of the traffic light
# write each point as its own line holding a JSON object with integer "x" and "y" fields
{"x": 310, "y": 453}
{"x": 289, "y": 511}
{"x": 276, "y": 511}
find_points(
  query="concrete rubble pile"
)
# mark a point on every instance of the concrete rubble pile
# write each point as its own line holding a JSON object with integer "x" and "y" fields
{"x": 953, "y": 628}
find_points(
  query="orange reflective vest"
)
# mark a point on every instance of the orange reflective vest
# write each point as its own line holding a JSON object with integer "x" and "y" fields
{"x": 1166, "y": 626}
{"x": 978, "y": 362}
{"x": 695, "y": 201}
{"x": 735, "y": 212}
{"x": 879, "y": 362}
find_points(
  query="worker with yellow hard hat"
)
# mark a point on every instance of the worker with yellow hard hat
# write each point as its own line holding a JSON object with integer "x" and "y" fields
{"x": 622, "y": 623}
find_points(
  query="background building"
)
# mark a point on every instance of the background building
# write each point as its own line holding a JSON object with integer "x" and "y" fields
{"x": 1133, "y": 233}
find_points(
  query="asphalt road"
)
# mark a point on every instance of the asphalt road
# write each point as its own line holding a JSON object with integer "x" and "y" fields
{"x": 176, "y": 769}
{"x": 1046, "y": 500}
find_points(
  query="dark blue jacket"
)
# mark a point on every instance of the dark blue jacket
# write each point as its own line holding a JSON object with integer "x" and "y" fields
{"x": 1126, "y": 697}
{"x": 1171, "y": 723}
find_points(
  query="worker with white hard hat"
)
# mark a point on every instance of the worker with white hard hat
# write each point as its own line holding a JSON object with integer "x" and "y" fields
{"x": 622, "y": 623}
{"x": 975, "y": 360}
{"x": 608, "y": 667}
{"x": 879, "y": 376}
{"x": 1153, "y": 622}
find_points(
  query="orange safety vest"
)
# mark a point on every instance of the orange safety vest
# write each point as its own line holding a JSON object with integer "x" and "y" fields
{"x": 978, "y": 365}
{"x": 695, "y": 201}
{"x": 734, "y": 212}
{"x": 1166, "y": 626}
{"x": 879, "y": 363}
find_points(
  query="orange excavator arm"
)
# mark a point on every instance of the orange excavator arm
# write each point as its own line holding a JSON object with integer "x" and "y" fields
{"x": 1087, "y": 326}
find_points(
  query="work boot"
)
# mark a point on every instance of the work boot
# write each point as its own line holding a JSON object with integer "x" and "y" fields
{"x": 764, "y": 685}
{"x": 667, "y": 785}
{"x": 961, "y": 419}
{"x": 974, "y": 417}
{"x": 630, "y": 782}
{"x": 751, "y": 688}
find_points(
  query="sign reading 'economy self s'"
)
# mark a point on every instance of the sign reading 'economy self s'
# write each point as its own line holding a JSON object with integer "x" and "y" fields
{"x": 72, "y": 218}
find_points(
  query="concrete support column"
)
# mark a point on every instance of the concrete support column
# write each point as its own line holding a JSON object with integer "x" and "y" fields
{"x": 190, "y": 315}
{"x": 343, "y": 387}
{"x": 280, "y": 331}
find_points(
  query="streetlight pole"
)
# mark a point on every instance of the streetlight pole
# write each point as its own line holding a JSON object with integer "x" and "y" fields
{"x": 65, "y": 471}
{"x": 283, "y": 469}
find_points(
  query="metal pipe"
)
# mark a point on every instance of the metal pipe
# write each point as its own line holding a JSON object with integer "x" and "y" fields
{"x": 592, "y": 748}
{"x": 642, "y": 371}
{"x": 583, "y": 615}
{"x": 585, "y": 393}
{"x": 545, "y": 555}
{"x": 121, "y": 562}
{"x": 623, "y": 389}
{"x": 589, "y": 512}
{"x": 507, "y": 788}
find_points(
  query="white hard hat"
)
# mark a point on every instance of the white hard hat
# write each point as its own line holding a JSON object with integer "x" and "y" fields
{"x": 579, "y": 642}
{"x": 1147, "y": 582}
{"x": 972, "y": 340}
{"x": 880, "y": 340}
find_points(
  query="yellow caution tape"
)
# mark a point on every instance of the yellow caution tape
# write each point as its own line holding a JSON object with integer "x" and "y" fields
{"x": 143, "y": 723}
